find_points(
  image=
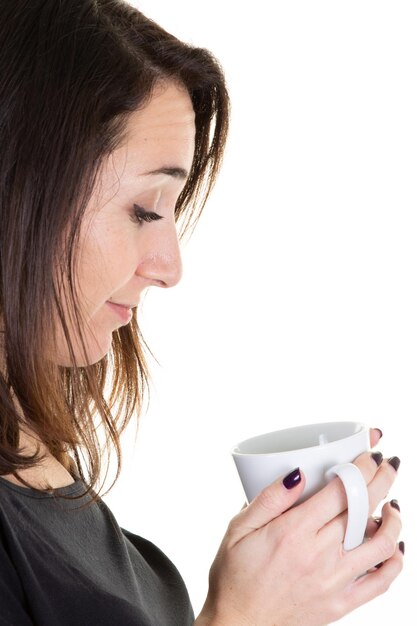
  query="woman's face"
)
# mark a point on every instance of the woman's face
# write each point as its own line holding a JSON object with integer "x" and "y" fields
{"x": 119, "y": 257}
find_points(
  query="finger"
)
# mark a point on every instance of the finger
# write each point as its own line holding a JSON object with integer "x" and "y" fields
{"x": 331, "y": 501}
{"x": 378, "y": 489}
{"x": 335, "y": 530}
{"x": 375, "y": 435}
{"x": 269, "y": 504}
{"x": 381, "y": 547}
{"x": 376, "y": 582}
{"x": 381, "y": 484}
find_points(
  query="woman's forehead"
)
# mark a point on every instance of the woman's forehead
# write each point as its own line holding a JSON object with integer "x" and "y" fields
{"x": 169, "y": 113}
{"x": 161, "y": 135}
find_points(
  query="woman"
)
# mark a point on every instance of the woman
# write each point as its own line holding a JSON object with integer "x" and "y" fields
{"x": 112, "y": 134}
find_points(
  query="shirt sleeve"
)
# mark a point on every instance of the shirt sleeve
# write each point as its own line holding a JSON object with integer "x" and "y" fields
{"x": 12, "y": 598}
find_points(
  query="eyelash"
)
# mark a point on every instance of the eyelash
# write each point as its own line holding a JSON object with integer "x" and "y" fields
{"x": 140, "y": 215}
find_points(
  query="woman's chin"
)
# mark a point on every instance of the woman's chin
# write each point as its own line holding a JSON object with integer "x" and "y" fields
{"x": 95, "y": 352}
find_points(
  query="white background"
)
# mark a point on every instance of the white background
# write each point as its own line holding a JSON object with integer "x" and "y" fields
{"x": 298, "y": 299}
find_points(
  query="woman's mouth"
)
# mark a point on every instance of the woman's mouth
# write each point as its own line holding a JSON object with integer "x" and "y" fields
{"x": 123, "y": 312}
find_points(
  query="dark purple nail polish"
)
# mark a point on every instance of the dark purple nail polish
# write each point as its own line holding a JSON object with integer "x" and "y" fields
{"x": 379, "y": 565}
{"x": 401, "y": 546}
{"x": 292, "y": 479}
{"x": 377, "y": 457}
{"x": 395, "y": 505}
{"x": 381, "y": 434}
{"x": 394, "y": 461}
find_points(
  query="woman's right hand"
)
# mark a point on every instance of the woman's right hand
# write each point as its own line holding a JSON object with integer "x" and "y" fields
{"x": 281, "y": 566}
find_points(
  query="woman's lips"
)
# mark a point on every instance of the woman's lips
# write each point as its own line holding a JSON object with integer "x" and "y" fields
{"x": 123, "y": 312}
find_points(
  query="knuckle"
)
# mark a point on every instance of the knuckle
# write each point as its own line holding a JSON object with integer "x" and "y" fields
{"x": 227, "y": 544}
{"x": 324, "y": 588}
{"x": 233, "y": 526}
{"x": 400, "y": 566}
{"x": 383, "y": 585}
{"x": 267, "y": 499}
{"x": 291, "y": 538}
{"x": 338, "y": 609}
{"x": 386, "y": 547}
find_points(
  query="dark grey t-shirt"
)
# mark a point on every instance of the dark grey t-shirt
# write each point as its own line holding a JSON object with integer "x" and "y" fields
{"x": 65, "y": 567}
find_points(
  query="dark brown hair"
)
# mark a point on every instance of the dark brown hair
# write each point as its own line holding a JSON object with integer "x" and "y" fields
{"x": 70, "y": 75}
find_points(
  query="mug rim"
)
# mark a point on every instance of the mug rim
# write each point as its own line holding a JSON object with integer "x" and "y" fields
{"x": 238, "y": 453}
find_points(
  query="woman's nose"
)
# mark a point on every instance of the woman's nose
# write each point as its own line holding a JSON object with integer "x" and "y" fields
{"x": 161, "y": 264}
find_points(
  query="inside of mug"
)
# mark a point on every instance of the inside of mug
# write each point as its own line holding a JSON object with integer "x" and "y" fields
{"x": 307, "y": 436}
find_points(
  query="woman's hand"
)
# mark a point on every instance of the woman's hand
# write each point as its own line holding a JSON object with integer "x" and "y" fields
{"x": 282, "y": 566}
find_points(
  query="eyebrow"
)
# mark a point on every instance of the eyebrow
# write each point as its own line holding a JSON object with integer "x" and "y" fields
{"x": 175, "y": 172}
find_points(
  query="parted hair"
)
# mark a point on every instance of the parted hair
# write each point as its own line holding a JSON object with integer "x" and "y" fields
{"x": 70, "y": 75}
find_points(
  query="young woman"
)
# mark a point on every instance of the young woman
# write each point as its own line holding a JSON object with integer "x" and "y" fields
{"x": 112, "y": 133}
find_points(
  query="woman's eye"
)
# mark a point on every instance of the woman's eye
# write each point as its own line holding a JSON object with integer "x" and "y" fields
{"x": 140, "y": 215}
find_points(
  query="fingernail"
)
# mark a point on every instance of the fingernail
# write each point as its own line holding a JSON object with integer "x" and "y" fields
{"x": 401, "y": 546}
{"x": 377, "y": 457}
{"x": 380, "y": 432}
{"x": 394, "y": 461}
{"x": 292, "y": 479}
{"x": 378, "y": 520}
{"x": 395, "y": 505}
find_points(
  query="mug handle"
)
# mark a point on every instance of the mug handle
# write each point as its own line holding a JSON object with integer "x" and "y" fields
{"x": 358, "y": 502}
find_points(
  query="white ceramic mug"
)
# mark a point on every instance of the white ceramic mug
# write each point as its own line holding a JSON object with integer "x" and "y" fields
{"x": 321, "y": 451}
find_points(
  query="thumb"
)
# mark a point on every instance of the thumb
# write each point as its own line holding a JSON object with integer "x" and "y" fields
{"x": 269, "y": 504}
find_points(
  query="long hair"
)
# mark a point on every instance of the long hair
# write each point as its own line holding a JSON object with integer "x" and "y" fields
{"x": 70, "y": 75}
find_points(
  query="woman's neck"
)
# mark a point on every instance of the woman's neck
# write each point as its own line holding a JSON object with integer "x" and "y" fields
{"x": 49, "y": 472}
{"x": 55, "y": 472}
